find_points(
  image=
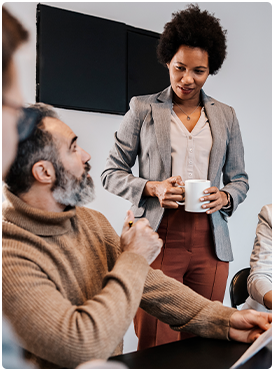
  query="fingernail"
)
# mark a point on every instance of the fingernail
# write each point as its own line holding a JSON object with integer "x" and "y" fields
{"x": 205, "y": 191}
{"x": 202, "y": 199}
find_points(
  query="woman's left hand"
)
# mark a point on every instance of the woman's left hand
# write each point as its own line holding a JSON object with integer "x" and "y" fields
{"x": 217, "y": 199}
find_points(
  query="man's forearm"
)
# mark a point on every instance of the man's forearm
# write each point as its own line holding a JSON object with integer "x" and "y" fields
{"x": 183, "y": 309}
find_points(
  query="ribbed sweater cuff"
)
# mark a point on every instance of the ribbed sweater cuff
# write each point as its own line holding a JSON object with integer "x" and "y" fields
{"x": 217, "y": 318}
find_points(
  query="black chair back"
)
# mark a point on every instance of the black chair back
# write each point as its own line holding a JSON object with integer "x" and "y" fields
{"x": 238, "y": 287}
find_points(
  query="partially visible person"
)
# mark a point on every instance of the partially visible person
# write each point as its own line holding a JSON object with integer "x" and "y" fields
{"x": 12, "y": 352}
{"x": 259, "y": 283}
{"x": 73, "y": 280}
{"x": 13, "y": 35}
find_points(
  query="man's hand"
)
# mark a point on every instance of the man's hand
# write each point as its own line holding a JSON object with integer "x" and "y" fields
{"x": 247, "y": 325}
{"x": 140, "y": 238}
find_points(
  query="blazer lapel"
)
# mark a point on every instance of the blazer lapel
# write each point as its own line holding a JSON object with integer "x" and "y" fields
{"x": 161, "y": 112}
{"x": 215, "y": 118}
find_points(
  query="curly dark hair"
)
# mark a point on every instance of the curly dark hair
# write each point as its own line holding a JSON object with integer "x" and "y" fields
{"x": 194, "y": 28}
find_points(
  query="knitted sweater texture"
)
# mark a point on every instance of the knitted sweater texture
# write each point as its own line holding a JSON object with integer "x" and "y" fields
{"x": 71, "y": 295}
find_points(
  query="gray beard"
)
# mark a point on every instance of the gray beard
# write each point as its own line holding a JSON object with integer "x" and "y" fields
{"x": 71, "y": 191}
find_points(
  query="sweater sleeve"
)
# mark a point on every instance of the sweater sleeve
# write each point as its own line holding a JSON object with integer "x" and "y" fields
{"x": 183, "y": 309}
{"x": 260, "y": 278}
{"x": 54, "y": 329}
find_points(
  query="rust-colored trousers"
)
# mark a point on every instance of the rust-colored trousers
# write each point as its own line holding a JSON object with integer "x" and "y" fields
{"x": 188, "y": 255}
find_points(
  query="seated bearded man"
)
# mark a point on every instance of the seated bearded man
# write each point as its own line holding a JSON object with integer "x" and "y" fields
{"x": 71, "y": 285}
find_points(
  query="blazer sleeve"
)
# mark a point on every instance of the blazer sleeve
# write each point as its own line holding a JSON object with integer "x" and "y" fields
{"x": 260, "y": 279}
{"x": 235, "y": 179}
{"x": 117, "y": 176}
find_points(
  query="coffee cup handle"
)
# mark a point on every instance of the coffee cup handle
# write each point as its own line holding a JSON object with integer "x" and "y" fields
{"x": 181, "y": 203}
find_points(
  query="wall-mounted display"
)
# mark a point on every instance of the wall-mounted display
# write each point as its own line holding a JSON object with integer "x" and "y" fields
{"x": 94, "y": 64}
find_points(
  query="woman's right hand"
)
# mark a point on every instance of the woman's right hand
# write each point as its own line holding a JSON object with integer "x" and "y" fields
{"x": 167, "y": 191}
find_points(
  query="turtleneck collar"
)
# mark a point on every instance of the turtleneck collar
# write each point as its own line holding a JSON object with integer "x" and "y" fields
{"x": 36, "y": 221}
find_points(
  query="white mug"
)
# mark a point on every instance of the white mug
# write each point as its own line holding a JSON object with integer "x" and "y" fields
{"x": 194, "y": 190}
{"x": 102, "y": 365}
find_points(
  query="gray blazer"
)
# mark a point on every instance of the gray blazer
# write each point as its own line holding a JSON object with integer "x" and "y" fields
{"x": 145, "y": 133}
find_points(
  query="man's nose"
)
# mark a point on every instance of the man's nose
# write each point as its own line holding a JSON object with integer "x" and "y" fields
{"x": 85, "y": 156}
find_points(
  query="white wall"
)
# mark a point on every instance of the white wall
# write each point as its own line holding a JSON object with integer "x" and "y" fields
{"x": 244, "y": 82}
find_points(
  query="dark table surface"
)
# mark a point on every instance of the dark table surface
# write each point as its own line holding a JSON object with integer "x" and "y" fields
{"x": 196, "y": 353}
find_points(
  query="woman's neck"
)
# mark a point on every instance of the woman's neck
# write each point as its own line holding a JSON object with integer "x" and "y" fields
{"x": 187, "y": 103}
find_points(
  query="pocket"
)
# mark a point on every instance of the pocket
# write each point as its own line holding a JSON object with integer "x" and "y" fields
{"x": 224, "y": 217}
{"x": 138, "y": 211}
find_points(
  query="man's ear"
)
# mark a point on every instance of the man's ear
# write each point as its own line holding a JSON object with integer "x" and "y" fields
{"x": 43, "y": 172}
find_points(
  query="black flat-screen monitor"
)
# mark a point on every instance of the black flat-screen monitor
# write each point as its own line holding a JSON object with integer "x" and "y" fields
{"x": 94, "y": 64}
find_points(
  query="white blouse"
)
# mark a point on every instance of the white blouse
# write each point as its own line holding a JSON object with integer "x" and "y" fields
{"x": 190, "y": 150}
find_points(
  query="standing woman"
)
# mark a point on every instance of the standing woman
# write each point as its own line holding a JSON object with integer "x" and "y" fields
{"x": 179, "y": 134}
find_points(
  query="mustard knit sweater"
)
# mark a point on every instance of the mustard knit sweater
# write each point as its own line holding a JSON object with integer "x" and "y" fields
{"x": 70, "y": 295}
